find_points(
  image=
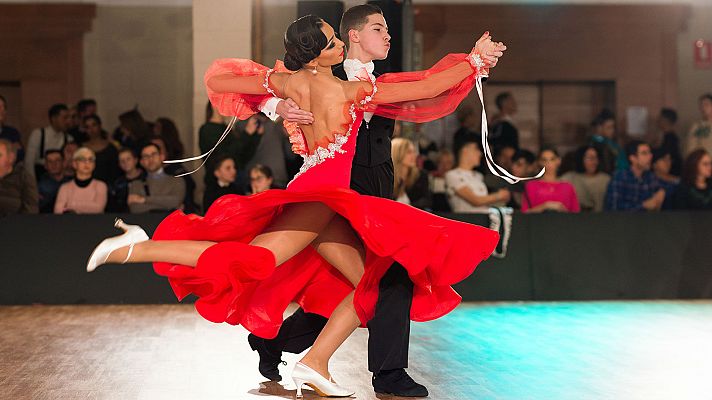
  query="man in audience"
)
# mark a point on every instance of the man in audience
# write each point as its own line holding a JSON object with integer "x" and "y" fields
{"x": 49, "y": 184}
{"x": 158, "y": 191}
{"x": 670, "y": 141}
{"x": 18, "y": 190}
{"x": 503, "y": 131}
{"x": 175, "y": 169}
{"x": 68, "y": 151}
{"x": 9, "y": 133}
{"x": 604, "y": 138}
{"x": 635, "y": 188}
{"x": 51, "y": 137}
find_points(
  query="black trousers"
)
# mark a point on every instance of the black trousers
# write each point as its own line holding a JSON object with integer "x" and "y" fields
{"x": 389, "y": 330}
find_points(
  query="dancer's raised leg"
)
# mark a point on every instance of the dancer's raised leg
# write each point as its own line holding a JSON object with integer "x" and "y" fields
{"x": 289, "y": 233}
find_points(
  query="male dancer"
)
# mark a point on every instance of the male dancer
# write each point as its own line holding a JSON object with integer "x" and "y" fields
{"x": 365, "y": 32}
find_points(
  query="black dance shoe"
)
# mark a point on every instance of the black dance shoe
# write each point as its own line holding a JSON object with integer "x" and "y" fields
{"x": 269, "y": 363}
{"x": 397, "y": 382}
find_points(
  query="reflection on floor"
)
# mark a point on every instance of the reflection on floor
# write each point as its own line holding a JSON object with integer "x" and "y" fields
{"x": 592, "y": 350}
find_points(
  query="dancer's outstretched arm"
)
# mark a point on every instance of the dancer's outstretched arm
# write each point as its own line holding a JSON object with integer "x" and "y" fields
{"x": 419, "y": 85}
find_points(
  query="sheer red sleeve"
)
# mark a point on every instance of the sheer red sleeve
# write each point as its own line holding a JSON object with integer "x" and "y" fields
{"x": 237, "y": 87}
{"x": 422, "y": 96}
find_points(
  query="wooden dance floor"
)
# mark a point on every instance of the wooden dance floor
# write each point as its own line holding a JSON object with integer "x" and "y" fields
{"x": 588, "y": 350}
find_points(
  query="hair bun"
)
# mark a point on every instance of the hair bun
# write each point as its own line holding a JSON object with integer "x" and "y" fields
{"x": 303, "y": 42}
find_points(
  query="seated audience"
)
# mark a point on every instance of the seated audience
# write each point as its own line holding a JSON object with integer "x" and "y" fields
{"x": 52, "y": 180}
{"x": 662, "y": 163}
{"x": 158, "y": 191}
{"x": 83, "y": 194}
{"x": 9, "y": 133}
{"x": 18, "y": 189}
{"x": 670, "y": 141}
{"x": 107, "y": 157}
{"x": 261, "y": 178}
{"x": 411, "y": 185}
{"x": 635, "y": 188}
{"x": 466, "y": 188}
{"x": 700, "y": 134}
{"x": 549, "y": 193}
{"x": 223, "y": 168}
{"x": 523, "y": 165}
{"x": 119, "y": 190}
{"x": 51, "y": 137}
{"x": 695, "y": 190}
{"x": 589, "y": 181}
{"x": 444, "y": 161}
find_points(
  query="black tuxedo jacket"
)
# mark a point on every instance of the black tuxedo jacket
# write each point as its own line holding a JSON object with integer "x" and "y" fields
{"x": 373, "y": 144}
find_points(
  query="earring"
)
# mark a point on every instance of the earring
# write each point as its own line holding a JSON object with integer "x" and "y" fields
{"x": 313, "y": 71}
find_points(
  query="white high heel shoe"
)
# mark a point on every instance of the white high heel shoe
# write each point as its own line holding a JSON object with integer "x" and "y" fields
{"x": 303, "y": 375}
{"x": 132, "y": 234}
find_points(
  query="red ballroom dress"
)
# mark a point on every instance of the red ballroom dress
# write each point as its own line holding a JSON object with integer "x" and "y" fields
{"x": 240, "y": 284}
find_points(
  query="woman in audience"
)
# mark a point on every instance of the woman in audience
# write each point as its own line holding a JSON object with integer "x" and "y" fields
{"x": 410, "y": 184}
{"x": 83, "y": 194}
{"x": 549, "y": 193}
{"x": 695, "y": 190}
{"x": 466, "y": 188}
{"x": 167, "y": 130}
{"x": 700, "y": 135}
{"x": 261, "y": 178}
{"x": 128, "y": 162}
{"x": 588, "y": 178}
{"x": 134, "y": 132}
{"x": 662, "y": 164}
{"x": 225, "y": 174}
{"x": 107, "y": 157}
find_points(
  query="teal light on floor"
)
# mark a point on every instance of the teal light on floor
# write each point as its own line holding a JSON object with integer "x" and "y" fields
{"x": 587, "y": 350}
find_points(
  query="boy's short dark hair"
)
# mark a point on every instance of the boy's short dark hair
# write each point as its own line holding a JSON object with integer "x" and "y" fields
{"x": 354, "y": 18}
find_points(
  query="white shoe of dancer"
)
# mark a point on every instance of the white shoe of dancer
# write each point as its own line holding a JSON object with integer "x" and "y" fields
{"x": 303, "y": 375}
{"x": 132, "y": 234}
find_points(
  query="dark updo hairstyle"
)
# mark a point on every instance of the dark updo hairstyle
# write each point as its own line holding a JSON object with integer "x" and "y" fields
{"x": 303, "y": 41}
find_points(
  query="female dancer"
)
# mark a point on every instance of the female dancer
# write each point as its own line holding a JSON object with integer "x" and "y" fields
{"x": 326, "y": 239}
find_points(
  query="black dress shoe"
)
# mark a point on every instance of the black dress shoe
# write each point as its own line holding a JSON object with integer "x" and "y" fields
{"x": 269, "y": 363}
{"x": 397, "y": 382}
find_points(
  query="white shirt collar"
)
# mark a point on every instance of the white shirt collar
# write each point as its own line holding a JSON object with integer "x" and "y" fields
{"x": 352, "y": 66}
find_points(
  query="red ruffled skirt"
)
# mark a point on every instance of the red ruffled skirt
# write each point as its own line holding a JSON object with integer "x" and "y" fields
{"x": 239, "y": 284}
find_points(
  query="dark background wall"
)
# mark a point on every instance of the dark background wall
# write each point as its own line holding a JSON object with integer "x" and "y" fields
{"x": 550, "y": 257}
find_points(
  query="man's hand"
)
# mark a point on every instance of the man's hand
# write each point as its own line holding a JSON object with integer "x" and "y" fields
{"x": 135, "y": 199}
{"x": 290, "y": 111}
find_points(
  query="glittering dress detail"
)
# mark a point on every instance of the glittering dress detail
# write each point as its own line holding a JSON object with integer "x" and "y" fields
{"x": 239, "y": 284}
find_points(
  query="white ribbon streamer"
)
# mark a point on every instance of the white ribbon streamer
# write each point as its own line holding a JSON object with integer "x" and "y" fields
{"x": 206, "y": 155}
{"x": 493, "y": 167}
